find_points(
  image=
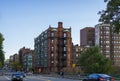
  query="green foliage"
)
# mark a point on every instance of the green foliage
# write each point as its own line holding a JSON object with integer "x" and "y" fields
{"x": 71, "y": 70}
{"x": 16, "y": 66}
{"x": 112, "y": 14}
{"x": 0, "y": 65}
{"x": 2, "y": 58}
{"x": 92, "y": 61}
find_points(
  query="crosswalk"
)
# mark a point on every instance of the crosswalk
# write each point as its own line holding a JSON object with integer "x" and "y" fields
{"x": 8, "y": 78}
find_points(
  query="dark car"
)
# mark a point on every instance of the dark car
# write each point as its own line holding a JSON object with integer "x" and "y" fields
{"x": 98, "y": 77}
{"x": 17, "y": 76}
{"x": 22, "y": 73}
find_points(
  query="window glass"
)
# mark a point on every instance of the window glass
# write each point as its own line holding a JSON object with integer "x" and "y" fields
{"x": 52, "y": 34}
{"x": 64, "y": 34}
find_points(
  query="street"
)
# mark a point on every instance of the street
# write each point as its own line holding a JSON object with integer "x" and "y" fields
{"x": 38, "y": 78}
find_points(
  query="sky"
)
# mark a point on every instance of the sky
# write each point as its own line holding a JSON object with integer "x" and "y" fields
{"x": 23, "y": 20}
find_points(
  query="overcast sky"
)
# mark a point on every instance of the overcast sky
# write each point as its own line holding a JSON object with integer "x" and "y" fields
{"x": 23, "y": 20}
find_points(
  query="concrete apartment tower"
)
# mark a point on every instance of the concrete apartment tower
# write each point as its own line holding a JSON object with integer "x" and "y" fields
{"x": 108, "y": 41}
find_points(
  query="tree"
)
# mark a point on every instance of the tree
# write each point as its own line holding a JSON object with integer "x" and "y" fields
{"x": 2, "y": 58}
{"x": 16, "y": 66}
{"x": 72, "y": 70}
{"x": 112, "y": 14}
{"x": 0, "y": 65}
{"x": 92, "y": 61}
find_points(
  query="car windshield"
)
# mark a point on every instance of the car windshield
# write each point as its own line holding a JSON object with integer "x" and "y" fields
{"x": 16, "y": 74}
{"x": 103, "y": 75}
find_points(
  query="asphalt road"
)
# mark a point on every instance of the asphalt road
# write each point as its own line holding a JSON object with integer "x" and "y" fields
{"x": 39, "y": 78}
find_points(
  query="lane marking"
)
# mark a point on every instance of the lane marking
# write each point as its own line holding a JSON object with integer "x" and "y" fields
{"x": 7, "y": 78}
{"x": 43, "y": 79}
{"x": 25, "y": 79}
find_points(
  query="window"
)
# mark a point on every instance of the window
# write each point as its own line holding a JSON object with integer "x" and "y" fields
{"x": 45, "y": 35}
{"x": 64, "y": 34}
{"x": 107, "y": 56}
{"x": 107, "y": 51}
{"x": 64, "y": 48}
{"x": 52, "y": 41}
{"x": 107, "y": 42}
{"x": 76, "y": 49}
{"x": 52, "y": 54}
{"x": 52, "y": 48}
{"x": 76, "y": 55}
{"x": 107, "y": 46}
{"x": 64, "y": 41}
{"x": 64, "y": 55}
{"x": 107, "y": 37}
{"x": 52, "y": 34}
{"x": 52, "y": 61}
{"x": 107, "y": 28}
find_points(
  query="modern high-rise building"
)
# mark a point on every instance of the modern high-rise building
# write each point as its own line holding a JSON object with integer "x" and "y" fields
{"x": 24, "y": 54}
{"x": 87, "y": 36}
{"x": 28, "y": 61}
{"x": 53, "y": 49}
{"x": 15, "y": 58}
{"x": 108, "y": 41}
{"x": 11, "y": 58}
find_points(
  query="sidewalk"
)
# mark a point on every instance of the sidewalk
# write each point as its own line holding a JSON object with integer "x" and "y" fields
{"x": 78, "y": 77}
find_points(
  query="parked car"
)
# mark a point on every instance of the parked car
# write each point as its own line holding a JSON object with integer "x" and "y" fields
{"x": 98, "y": 77}
{"x": 17, "y": 76}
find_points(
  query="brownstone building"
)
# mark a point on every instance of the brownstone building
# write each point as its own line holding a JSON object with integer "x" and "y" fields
{"x": 15, "y": 58}
{"x": 53, "y": 49}
{"x": 77, "y": 50}
{"x": 11, "y": 58}
{"x": 87, "y": 36}
{"x": 21, "y": 53}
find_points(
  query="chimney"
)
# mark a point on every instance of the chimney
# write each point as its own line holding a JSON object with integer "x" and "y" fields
{"x": 60, "y": 24}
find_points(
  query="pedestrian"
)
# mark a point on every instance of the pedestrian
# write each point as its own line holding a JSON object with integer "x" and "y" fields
{"x": 62, "y": 74}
